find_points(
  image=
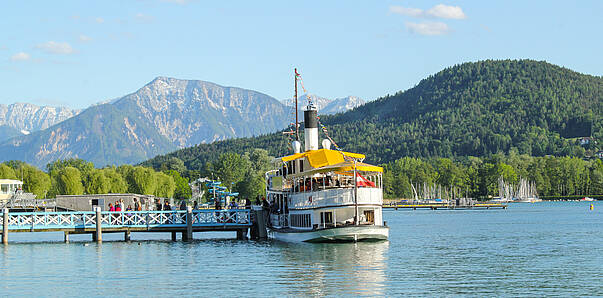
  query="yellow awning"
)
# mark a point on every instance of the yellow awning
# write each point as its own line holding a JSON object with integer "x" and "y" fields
{"x": 343, "y": 168}
{"x": 323, "y": 157}
{"x": 349, "y": 167}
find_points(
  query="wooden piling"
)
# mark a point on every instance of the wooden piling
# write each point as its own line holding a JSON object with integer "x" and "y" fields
{"x": 174, "y": 236}
{"x": 260, "y": 223}
{"x": 66, "y": 237}
{"x": 189, "y": 224}
{"x": 127, "y": 235}
{"x": 241, "y": 234}
{"x": 99, "y": 230}
{"x": 5, "y": 226}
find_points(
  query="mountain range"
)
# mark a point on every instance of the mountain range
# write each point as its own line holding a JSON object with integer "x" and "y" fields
{"x": 162, "y": 116}
{"x": 472, "y": 109}
{"x": 23, "y": 118}
{"x": 324, "y": 105}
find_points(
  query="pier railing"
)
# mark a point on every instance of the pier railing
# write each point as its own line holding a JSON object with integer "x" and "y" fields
{"x": 126, "y": 219}
{"x": 23, "y": 201}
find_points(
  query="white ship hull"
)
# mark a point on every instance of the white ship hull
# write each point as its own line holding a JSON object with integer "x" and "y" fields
{"x": 337, "y": 234}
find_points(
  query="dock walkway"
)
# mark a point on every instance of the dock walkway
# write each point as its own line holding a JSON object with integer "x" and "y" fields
{"x": 86, "y": 222}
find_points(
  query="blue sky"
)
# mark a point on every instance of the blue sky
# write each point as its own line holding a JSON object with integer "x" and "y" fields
{"x": 77, "y": 53}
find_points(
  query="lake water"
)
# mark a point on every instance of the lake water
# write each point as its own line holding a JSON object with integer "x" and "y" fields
{"x": 542, "y": 249}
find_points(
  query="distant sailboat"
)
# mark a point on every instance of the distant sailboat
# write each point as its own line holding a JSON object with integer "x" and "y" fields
{"x": 527, "y": 192}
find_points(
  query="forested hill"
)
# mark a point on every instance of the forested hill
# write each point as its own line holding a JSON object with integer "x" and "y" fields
{"x": 473, "y": 109}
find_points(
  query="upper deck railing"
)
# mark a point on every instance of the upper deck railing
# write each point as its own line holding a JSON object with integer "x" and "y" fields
{"x": 124, "y": 219}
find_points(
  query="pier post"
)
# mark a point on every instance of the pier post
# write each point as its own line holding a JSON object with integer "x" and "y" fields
{"x": 241, "y": 234}
{"x": 260, "y": 223}
{"x": 5, "y": 226}
{"x": 189, "y": 224}
{"x": 127, "y": 235}
{"x": 66, "y": 237}
{"x": 99, "y": 230}
{"x": 173, "y": 236}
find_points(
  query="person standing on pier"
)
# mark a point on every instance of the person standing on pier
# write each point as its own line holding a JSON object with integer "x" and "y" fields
{"x": 111, "y": 208}
{"x": 137, "y": 205}
{"x": 158, "y": 205}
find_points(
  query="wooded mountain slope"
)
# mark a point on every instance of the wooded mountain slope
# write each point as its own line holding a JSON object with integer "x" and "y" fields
{"x": 472, "y": 109}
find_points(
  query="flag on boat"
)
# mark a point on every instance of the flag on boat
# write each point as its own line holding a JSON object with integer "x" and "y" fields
{"x": 363, "y": 182}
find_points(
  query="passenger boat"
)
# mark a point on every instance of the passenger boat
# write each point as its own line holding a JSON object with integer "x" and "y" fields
{"x": 324, "y": 195}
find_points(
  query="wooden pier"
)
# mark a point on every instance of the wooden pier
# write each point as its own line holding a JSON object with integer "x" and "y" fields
{"x": 436, "y": 206}
{"x": 98, "y": 222}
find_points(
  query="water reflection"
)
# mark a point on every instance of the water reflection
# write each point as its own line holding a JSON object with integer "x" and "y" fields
{"x": 334, "y": 269}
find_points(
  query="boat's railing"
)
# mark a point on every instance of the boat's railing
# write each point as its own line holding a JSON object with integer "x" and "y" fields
{"x": 342, "y": 196}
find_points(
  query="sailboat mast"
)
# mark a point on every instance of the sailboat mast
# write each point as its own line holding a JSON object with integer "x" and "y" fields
{"x": 296, "y": 116}
{"x": 356, "y": 218}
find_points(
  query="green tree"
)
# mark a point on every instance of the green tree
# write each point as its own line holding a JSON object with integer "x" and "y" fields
{"x": 142, "y": 181}
{"x": 252, "y": 186}
{"x": 83, "y": 166}
{"x": 230, "y": 168}
{"x": 35, "y": 181}
{"x": 182, "y": 189}
{"x": 116, "y": 182}
{"x": 69, "y": 181}
{"x": 6, "y": 172}
{"x": 173, "y": 163}
{"x": 259, "y": 160}
{"x": 164, "y": 185}
{"x": 96, "y": 182}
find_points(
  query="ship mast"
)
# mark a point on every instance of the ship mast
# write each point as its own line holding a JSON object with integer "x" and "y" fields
{"x": 296, "y": 117}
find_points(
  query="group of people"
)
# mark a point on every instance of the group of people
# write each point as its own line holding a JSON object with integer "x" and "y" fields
{"x": 119, "y": 206}
{"x": 166, "y": 206}
{"x": 163, "y": 207}
{"x": 232, "y": 205}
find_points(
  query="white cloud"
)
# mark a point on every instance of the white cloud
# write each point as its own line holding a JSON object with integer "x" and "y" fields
{"x": 439, "y": 11}
{"x": 54, "y": 47}
{"x": 20, "y": 57}
{"x": 84, "y": 38}
{"x": 429, "y": 28}
{"x": 99, "y": 20}
{"x": 446, "y": 12}
{"x": 406, "y": 11}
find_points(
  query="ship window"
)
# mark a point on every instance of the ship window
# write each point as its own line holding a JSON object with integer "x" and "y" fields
{"x": 300, "y": 220}
{"x": 326, "y": 217}
{"x": 301, "y": 165}
{"x": 369, "y": 215}
{"x": 293, "y": 164}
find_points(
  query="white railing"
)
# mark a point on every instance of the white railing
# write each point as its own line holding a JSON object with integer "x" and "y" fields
{"x": 336, "y": 196}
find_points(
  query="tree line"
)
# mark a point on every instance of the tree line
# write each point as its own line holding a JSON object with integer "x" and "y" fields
{"x": 244, "y": 173}
{"x": 77, "y": 176}
{"x": 478, "y": 177}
